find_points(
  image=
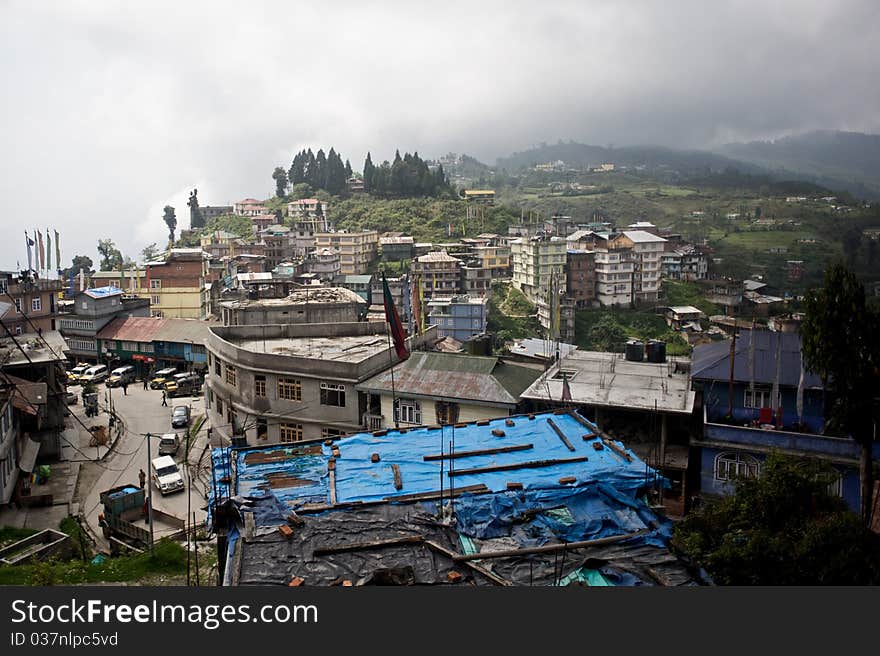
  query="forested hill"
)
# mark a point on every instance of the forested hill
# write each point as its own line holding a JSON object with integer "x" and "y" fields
{"x": 577, "y": 155}
{"x": 848, "y": 160}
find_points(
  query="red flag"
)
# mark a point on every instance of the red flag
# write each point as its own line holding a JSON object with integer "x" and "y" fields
{"x": 393, "y": 319}
{"x": 566, "y": 390}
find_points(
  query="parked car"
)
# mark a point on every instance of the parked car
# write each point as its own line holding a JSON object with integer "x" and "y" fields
{"x": 74, "y": 374}
{"x": 183, "y": 384}
{"x": 95, "y": 374}
{"x": 70, "y": 398}
{"x": 169, "y": 443}
{"x": 121, "y": 376}
{"x": 180, "y": 416}
{"x": 161, "y": 377}
{"x": 166, "y": 475}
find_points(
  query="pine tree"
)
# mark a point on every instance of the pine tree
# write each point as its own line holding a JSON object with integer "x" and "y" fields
{"x": 368, "y": 174}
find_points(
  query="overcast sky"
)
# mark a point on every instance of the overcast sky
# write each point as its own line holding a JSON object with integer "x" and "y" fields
{"x": 114, "y": 109}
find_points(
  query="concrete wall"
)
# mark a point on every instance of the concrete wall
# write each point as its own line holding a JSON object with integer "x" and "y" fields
{"x": 311, "y": 372}
{"x": 300, "y": 313}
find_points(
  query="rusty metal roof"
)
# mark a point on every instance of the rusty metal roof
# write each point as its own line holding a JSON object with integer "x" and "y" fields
{"x": 132, "y": 329}
{"x": 454, "y": 376}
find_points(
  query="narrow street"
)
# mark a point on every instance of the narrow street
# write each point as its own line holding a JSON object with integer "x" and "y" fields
{"x": 141, "y": 412}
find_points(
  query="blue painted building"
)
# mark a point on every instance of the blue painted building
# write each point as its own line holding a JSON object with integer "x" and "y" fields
{"x": 775, "y": 405}
{"x": 459, "y": 317}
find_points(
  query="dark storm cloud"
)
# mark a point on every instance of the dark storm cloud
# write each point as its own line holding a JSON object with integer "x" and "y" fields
{"x": 113, "y": 110}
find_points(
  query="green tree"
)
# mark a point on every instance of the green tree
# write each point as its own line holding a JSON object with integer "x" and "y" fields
{"x": 839, "y": 336}
{"x": 150, "y": 252}
{"x": 607, "y": 335}
{"x": 782, "y": 528}
{"x": 170, "y": 219}
{"x": 111, "y": 258}
{"x": 301, "y": 190}
{"x": 280, "y": 178}
{"x": 80, "y": 263}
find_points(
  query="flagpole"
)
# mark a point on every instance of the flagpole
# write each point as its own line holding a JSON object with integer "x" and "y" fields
{"x": 394, "y": 409}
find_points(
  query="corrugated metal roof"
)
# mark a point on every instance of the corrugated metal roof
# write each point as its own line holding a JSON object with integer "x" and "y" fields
{"x": 184, "y": 330}
{"x": 132, "y": 329}
{"x": 642, "y": 237}
{"x": 712, "y": 361}
{"x": 453, "y": 376}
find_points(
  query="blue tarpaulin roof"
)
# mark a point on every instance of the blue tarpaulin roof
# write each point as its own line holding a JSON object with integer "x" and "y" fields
{"x": 298, "y": 475}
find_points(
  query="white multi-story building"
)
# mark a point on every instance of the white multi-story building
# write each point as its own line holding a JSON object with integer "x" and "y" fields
{"x": 614, "y": 271}
{"x": 647, "y": 250}
{"x": 535, "y": 260}
{"x": 356, "y": 250}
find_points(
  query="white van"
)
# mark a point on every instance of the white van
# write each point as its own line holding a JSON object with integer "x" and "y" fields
{"x": 166, "y": 475}
{"x": 121, "y": 376}
{"x": 95, "y": 374}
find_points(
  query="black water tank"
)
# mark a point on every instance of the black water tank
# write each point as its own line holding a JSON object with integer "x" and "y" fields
{"x": 635, "y": 350}
{"x": 656, "y": 351}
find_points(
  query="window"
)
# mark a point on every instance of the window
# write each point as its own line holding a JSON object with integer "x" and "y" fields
{"x": 259, "y": 386}
{"x": 291, "y": 432}
{"x": 230, "y": 374}
{"x": 760, "y": 397}
{"x": 114, "y": 284}
{"x": 197, "y": 349}
{"x": 18, "y": 305}
{"x": 36, "y": 304}
{"x": 155, "y": 284}
{"x": 154, "y": 300}
{"x": 219, "y": 406}
{"x": 217, "y": 364}
{"x": 446, "y": 412}
{"x": 734, "y": 464}
{"x": 330, "y": 433}
{"x": 408, "y": 411}
{"x": 289, "y": 389}
{"x": 18, "y": 330}
{"x": 333, "y": 394}
{"x": 4, "y": 285}
{"x": 262, "y": 428}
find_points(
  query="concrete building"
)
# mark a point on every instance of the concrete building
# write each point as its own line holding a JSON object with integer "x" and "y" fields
{"x": 646, "y": 251}
{"x": 396, "y": 249}
{"x": 535, "y": 261}
{"x": 34, "y": 299}
{"x": 614, "y": 271}
{"x": 262, "y": 221}
{"x": 92, "y": 310}
{"x": 357, "y": 250}
{"x": 581, "y": 277}
{"x": 32, "y": 404}
{"x": 320, "y": 305}
{"x": 446, "y": 388}
{"x": 280, "y": 245}
{"x": 324, "y": 263}
{"x": 150, "y": 343}
{"x": 177, "y": 286}
{"x": 459, "y": 317}
{"x": 684, "y": 263}
{"x": 249, "y": 207}
{"x": 763, "y": 414}
{"x": 401, "y": 293}
{"x": 360, "y": 285}
{"x": 651, "y": 403}
{"x": 726, "y": 292}
{"x": 439, "y": 272}
{"x": 210, "y": 212}
{"x": 290, "y": 382}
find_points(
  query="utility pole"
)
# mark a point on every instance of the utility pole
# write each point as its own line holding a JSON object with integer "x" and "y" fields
{"x": 150, "y": 493}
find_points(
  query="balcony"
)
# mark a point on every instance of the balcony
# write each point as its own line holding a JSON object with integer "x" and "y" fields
{"x": 372, "y": 422}
{"x": 808, "y": 444}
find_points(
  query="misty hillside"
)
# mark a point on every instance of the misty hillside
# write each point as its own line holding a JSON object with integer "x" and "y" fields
{"x": 685, "y": 162}
{"x": 848, "y": 160}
